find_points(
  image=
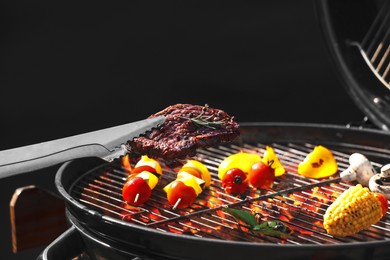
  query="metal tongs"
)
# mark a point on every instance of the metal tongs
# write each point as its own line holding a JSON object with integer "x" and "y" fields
{"x": 102, "y": 143}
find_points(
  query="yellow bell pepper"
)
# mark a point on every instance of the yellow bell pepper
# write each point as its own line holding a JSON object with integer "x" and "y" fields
{"x": 270, "y": 158}
{"x": 149, "y": 177}
{"x": 189, "y": 180}
{"x": 145, "y": 161}
{"x": 320, "y": 163}
{"x": 197, "y": 169}
{"x": 241, "y": 160}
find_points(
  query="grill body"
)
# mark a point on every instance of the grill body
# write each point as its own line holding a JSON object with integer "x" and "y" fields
{"x": 156, "y": 239}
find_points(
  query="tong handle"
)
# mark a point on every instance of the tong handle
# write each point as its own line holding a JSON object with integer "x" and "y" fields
{"x": 35, "y": 163}
{"x": 103, "y": 143}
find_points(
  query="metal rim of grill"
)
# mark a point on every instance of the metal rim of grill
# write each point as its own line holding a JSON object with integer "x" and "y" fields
{"x": 297, "y": 201}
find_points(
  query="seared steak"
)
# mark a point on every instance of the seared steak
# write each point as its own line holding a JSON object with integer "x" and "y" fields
{"x": 186, "y": 128}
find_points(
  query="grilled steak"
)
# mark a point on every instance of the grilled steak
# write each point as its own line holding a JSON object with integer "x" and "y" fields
{"x": 186, "y": 128}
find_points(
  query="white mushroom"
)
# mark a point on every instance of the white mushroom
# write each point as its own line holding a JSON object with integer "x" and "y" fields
{"x": 381, "y": 182}
{"x": 360, "y": 169}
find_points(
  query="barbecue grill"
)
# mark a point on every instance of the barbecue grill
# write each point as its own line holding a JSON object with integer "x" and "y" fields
{"x": 108, "y": 226}
{"x": 103, "y": 226}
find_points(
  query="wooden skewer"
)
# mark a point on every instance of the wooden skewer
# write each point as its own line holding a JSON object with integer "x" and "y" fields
{"x": 136, "y": 198}
{"x": 176, "y": 204}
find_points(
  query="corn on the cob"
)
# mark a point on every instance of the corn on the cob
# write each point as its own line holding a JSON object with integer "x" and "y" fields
{"x": 354, "y": 210}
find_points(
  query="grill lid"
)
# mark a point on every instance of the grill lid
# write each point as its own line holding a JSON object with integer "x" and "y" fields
{"x": 358, "y": 37}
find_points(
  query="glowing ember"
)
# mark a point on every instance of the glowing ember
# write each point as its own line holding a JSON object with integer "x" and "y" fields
{"x": 319, "y": 195}
{"x": 317, "y": 223}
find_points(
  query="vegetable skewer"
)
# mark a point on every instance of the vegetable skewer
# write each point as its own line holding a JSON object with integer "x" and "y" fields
{"x": 191, "y": 179}
{"x": 142, "y": 180}
{"x": 182, "y": 192}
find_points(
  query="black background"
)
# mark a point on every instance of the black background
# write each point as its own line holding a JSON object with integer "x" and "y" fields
{"x": 78, "y": 66}
{"x": 68, "y": 67}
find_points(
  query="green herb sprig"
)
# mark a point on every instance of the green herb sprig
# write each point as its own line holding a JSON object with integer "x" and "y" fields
{"x": 206, "y": 121}
{"x": 273, "y": 228}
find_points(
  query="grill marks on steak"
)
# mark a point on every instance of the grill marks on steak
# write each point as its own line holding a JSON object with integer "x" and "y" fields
{"x": 186, "y": 128}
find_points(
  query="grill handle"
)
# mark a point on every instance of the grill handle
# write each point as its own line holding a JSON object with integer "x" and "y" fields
{"x": 67, "y": 246}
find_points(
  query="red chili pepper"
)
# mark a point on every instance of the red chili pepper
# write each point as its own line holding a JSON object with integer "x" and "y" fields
{"x": 384, "y": 202}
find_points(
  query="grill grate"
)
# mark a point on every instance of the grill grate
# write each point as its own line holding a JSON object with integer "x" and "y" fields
{"x": 297, "y": 201}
